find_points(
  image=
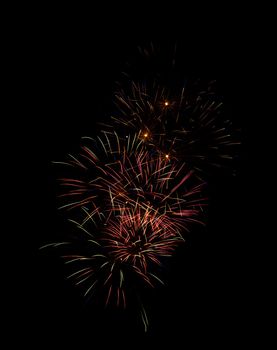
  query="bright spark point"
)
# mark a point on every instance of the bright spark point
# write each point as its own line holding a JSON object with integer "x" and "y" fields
{"x": 166, "y": 103}
{"x": 145, "y": 135}
{"x": 167, "y": 156}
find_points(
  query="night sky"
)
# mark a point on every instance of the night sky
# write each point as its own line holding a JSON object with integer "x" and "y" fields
{"x": 73, "y": 65}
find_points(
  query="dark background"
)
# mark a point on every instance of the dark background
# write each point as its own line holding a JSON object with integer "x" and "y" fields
{"x": 70, "y": 65}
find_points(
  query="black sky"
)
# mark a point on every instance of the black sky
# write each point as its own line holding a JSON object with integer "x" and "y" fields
{"x": 70, "y": 66}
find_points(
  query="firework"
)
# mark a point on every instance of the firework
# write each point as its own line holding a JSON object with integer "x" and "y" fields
{"x": 134, "y": 191}
{"x": 184, "y": 118}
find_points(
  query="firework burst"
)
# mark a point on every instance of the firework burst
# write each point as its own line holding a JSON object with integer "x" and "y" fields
{"x": 189, "y": 125}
